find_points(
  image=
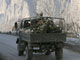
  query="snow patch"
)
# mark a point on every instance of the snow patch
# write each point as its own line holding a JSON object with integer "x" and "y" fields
{"x": 73, "y": 41}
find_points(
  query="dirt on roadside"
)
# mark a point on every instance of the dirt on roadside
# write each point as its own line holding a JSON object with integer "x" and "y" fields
{"x": 2, "y": 57}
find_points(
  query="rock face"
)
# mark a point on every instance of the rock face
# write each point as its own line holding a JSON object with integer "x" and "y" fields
{"x": 13, "y": 10}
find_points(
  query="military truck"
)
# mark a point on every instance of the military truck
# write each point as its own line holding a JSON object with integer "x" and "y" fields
{"x": 37, "y": 35}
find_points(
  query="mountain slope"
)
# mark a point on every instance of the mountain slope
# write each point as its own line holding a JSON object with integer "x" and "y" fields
{"x": 13, "y": 10}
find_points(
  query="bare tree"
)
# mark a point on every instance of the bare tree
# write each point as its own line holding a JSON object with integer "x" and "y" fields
{"x": 73, "y": 27}
{"x": 45, "y": 7}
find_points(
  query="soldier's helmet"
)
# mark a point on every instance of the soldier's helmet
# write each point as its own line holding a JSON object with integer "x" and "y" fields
{"x": 39, "y": 14}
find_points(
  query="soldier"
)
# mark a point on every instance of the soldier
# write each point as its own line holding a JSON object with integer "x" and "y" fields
{"x": 40, "y": 25}
{"x": 46, "y": 26}
{"x": 26, "y": 24}
{"x": 53, "y": 28}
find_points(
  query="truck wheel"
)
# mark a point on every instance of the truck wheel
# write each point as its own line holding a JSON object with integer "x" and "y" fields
{"x": 20, "y": 53}
{"x": 59, "y": 53}
{"x": 29, "y": 54}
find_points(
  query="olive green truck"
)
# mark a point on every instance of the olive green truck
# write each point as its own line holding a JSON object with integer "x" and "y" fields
{"x": 45, "y": 43}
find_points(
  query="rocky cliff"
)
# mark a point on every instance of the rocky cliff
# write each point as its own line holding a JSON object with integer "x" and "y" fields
{"x": 13, "y": 10}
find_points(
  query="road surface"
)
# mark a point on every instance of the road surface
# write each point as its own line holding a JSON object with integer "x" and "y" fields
{"x": 8, "y": 49}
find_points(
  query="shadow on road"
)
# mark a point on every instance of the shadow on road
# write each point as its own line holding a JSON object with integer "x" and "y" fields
{"x": 39, "y": 56}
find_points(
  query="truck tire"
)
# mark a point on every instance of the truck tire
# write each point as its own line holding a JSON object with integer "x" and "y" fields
{"x": 20, "y": 53}
{"x": 29, "y": 54}
{"x": 59, "y": 53}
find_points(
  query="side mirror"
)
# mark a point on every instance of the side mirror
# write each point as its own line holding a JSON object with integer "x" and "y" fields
{"x": 16, "y": 26}
{"x": 17, "y": 41}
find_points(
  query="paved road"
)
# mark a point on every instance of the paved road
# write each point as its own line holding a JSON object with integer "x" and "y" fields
{"x": 8, "y": 48}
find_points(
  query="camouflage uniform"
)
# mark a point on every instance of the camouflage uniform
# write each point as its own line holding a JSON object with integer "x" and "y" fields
{"x": 46, "y": 26}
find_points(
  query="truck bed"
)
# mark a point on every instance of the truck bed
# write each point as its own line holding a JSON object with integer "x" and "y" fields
{"x": 43, "y": 38}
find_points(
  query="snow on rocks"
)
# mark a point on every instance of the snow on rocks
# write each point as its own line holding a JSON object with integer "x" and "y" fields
{"x": 73, "y": 41}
